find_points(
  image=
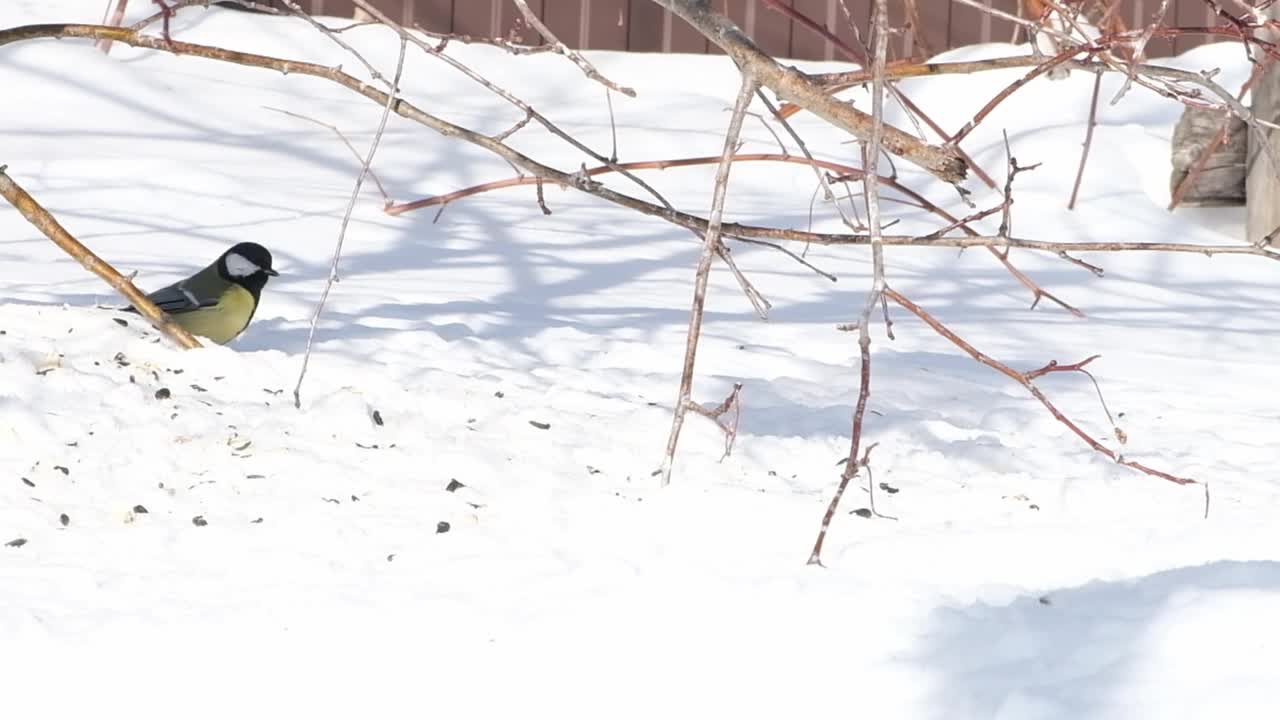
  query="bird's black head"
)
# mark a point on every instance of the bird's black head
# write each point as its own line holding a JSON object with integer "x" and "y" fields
{"x": 247, "y": 264}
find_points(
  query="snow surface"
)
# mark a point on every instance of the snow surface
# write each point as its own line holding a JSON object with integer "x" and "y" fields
{"x": 1026, "y": 577}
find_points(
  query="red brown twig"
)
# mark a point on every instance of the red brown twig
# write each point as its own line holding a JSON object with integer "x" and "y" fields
{"x": 1026, "y": 380}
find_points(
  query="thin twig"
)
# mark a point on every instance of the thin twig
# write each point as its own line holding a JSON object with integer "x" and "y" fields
{"x": 1140, "y": 49}
{"x": 730, "y": 429}
{"x": 346, "y": 219}
{"x": 386, "y": 199}
{"x": 587, "y": 68}
{"x": 1088, "y": 140}
{"x": 297, "y": 11}
{"x": 880, "y": 42}
{"x": 35, "y": 213}
{"x": 827, "y": 192}
{"x": 1026, "y": 382}
{"x": 176, "y": 5}
{"x": 703, "y": 273}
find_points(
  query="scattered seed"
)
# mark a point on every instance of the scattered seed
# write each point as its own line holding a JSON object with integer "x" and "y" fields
{"x": 199, "y": 521}
{"x": 499, "y": 394}
{"x": 888, "y": 488}
{"x": 197, "y": 388}
{"x": 254, "y": 477}
{"x": 132, "y": 380}
{"x": 593, "y": 471}
{"x": 28, "y": 483}
{"x": 367, "y": 447}
{"x": 335, "y": 501}
{"x": 453, "y": 485}
{"x": 45, "y": 371}
{"x": 16, "y": 543}
{"x": 540, "y": 425}
{"x": 1045, "y": 600}
{"x": 140, "y": 509}
{"x": 121, "y": 360}
{"x": 268, "y": 391}
{"x": 177, "y": 371}
{"x": 355, "y": 499}
{"x": 442, "y": 527}
{"x": 62, "y": 469}
{"x": 64, "y": 519}
{"x": 377, "y": 418}
{"x": 391, "y": 557}
{"x": 256, "y": 522}
{"x": 1033, "y": 506}
{"x": 861, "y": 512}
{"x": 163, "y": 394}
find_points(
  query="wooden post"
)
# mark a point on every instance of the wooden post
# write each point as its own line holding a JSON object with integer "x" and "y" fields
{"x": 1263, "y": 186}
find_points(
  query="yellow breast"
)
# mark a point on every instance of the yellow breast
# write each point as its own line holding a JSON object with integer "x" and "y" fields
{"x": 220, "y": 323}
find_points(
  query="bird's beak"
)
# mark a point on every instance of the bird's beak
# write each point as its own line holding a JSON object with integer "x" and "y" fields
{"x": 272, "y": 273}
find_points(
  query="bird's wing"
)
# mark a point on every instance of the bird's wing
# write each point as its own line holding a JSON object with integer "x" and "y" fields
{"x": 177, "y": 298}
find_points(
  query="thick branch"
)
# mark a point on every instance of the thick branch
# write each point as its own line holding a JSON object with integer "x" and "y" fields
{"x": 48, "y": 225}
{"x": 794, "y": 86}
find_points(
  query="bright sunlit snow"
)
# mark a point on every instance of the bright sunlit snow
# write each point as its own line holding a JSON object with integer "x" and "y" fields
{"x": 462, "y": 520}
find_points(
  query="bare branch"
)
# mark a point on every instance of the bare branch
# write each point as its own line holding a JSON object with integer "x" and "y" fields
{"x": 1026, "y": 380}
{"x": 871, "y": 184}
{"x": 794, "y": 86}
{"x": 346, "y": 219}
{"x": 587, "y": 68}
{"x": 35, "y": 213}
{"x": 703, "y": 273}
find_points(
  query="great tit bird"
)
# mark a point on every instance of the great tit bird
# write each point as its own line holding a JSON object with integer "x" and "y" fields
{"x": 219, "y": 301}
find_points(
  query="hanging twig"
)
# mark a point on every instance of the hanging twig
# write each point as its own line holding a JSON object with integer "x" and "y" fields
{"x": 386, "y": 199}
{"x": 1088, "y": 139}
{"x": 880, "y": 43}
{"x": 47, "y": 224}
{"x": 346, "y": 219}
{"x": 703, "y": 272}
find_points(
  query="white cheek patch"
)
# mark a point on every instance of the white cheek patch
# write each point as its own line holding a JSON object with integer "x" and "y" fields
{"x": 240, "y": 266}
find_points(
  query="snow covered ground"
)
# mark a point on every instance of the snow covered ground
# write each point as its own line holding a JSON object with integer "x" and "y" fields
{"x": 217, "y": 551}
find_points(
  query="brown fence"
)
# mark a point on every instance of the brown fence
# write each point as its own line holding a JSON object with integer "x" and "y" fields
{"x": 641, "y": 25}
